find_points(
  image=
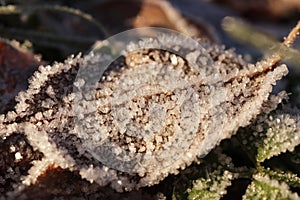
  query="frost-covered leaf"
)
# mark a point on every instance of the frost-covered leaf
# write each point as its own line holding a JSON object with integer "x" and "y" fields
{"x": 272, "y": 135}
{"x": 263, "y": 187}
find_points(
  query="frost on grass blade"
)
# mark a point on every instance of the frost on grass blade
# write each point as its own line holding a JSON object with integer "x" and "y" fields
{"x": 272, "y": 134}
{"x": 262, "y": 187}
{"x": 211, "y": 188}
{"x": 214, "y": 184}
{"x": 282, "y": 176}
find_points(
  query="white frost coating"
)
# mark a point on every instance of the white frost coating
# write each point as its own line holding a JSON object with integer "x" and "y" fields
{"x": 191, "y": 122}
{"x": 166, "y": 102}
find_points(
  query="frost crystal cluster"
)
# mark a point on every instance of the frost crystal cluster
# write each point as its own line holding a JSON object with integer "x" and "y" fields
{"x": 159, "y": 107}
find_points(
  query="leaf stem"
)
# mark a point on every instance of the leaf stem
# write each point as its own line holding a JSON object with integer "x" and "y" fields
{"x": 245, "y": 33}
